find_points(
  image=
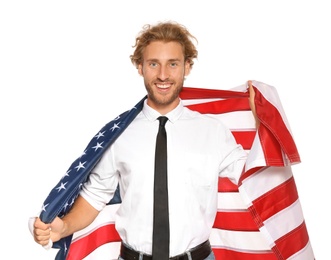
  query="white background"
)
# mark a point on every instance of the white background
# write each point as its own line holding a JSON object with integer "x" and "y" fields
{"x": 65, "y": 72}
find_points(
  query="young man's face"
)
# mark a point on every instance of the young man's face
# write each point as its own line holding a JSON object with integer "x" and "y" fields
{"x": 164, "y": 70}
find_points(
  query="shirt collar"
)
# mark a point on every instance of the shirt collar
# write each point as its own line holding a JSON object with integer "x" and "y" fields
{"x": 152, "y": 115}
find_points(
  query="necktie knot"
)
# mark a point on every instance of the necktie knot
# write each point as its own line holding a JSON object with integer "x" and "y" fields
{"x": 163, "y": 120}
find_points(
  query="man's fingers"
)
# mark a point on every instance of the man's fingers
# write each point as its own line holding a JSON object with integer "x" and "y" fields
{"x": 41, "y": 232}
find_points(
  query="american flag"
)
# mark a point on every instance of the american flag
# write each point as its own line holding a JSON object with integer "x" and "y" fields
{"x": 258, "y": 219}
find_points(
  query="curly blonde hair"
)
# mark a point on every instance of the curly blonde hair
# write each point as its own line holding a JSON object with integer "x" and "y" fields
{"x": 166, "y": 32}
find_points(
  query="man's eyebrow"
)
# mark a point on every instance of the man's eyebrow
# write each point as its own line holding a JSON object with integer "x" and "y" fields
{"x": 157, "y": 60}
{"x": 153, "y": 60}
{"x": 172, "y": 60}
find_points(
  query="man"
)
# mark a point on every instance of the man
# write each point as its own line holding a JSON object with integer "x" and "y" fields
{"x": 164, "y": 56}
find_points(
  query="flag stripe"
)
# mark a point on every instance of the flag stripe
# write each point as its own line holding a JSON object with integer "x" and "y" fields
{"x": 236, "y": 220}
{"x": 242, "y": 241}
{"x": 274, "y": 154}
{"x": 221, "y": 106}
{"x": 224, "y": 253}
{"x": 298, "y": 239}
{"x": 245, "y": 138}
{"x": 230, "y": 201}
{"x": 225, "y": 185}
{"x": 87, "y": 244}
{"x": 303, "y": 254}
{"x": 204, "y": 93}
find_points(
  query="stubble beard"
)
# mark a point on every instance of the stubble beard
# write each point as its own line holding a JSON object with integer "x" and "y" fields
{"x": 166, "y": 99}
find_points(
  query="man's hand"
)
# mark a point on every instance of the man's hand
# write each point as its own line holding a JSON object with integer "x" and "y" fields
{"x": 251, "y": 102}
{"x": 42, "y": 232}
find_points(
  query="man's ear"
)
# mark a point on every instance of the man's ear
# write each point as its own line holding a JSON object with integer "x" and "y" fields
{"x": 140, "y": 69}
{"x": 188, "y": 68}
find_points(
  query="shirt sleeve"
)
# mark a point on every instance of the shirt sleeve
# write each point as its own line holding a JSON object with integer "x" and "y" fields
{"x": 102, "y": 182}
{"x": 234, "y": 158}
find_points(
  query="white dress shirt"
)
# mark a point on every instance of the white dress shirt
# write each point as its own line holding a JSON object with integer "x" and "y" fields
{"x": 200, "y": 149}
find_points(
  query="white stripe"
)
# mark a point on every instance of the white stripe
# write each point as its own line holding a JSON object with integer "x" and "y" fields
{"x": 284, "y": 221}
{"x": 109, "y": 251}
{"x": 230, "y": 201}
{"x": 187, "y": 102}
{"x": 241, "y": 120}
{"x": 243, "y": 241}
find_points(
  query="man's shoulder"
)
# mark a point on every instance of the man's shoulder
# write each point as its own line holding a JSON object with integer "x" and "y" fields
{"x": 191, "y": 114}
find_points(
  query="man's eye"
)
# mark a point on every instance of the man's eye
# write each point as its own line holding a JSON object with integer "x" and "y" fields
{"x": 174, "y": 64}
{"x": 153, "y": 65}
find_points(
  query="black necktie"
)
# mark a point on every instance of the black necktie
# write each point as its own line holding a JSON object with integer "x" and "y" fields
{"x": 161, "y": 232}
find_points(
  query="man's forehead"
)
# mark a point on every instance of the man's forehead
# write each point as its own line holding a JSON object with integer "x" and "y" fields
{"x": 163, "y": 51}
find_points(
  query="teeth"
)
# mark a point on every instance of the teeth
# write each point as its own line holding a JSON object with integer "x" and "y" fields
{"x": 163, "y": 85}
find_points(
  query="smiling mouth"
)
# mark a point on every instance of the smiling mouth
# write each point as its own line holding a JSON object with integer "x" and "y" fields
{"x": 163, "y": 85}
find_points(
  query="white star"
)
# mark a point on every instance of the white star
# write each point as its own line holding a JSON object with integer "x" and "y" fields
{"x": 62, "y": 187}
{"x": 80, "y": 165}
{"x": 44, "y": 207}
{"x": 97, "y": 146}
{"x": 72, "y": 201}
{"x": 66, "y": 174}
{"x": 100, "y": 134}
{"x": 115, "y": 126}
{"x": 65, "y": 205}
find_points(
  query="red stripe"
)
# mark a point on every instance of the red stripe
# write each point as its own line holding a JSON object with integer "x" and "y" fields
{"x": 199, "y": 93}
{"x": 297, "y": 238}
{"x": 245, "y": 138}
{"x": 221, "y": 106}
{"x": 86, "y": 245}
{"x": 235, "y": 220}
{"x": 275, "y": 200}
{"x": 225, "y": 185}
{"x": 228, "y": 254}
